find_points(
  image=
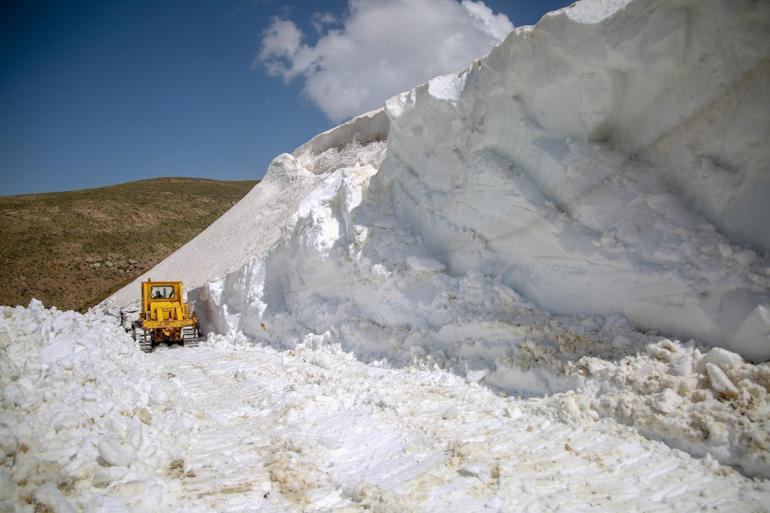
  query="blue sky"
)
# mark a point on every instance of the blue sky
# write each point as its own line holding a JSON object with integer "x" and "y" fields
{"x": 97, "y": 93}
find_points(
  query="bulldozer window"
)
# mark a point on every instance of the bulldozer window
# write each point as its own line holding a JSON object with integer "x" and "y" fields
{"x": 161, "y": 292}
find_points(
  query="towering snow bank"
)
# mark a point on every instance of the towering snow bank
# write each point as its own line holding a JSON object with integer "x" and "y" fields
{"x": 604, "y": 165}
{"x": 594, "y": 181}
{"x": 254, "y": 224}
{"x": 609, "y": 160}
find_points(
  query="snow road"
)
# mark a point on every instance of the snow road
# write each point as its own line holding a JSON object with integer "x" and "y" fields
{"x": 89, "y": 423}
{"x": 315, "y": 429}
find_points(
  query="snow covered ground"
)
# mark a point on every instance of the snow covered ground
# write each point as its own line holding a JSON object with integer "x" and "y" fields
{"x": 539, "y": 283}
{"x": 91, "y": 424}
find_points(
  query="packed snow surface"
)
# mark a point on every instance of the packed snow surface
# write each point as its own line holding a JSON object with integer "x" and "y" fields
{"x": 539, "y": 283}
{"x": 92, "y": 424}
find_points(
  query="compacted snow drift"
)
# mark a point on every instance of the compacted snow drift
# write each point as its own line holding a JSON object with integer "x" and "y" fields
{"x": 541, "y": 282}
{"x": 611, "y": 160}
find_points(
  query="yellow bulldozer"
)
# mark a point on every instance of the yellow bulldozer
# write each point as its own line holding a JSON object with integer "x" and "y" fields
{"x": 164, "y": 317}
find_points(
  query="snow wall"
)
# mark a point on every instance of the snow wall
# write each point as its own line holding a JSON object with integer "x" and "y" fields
{"x": 609, "y": 163}
{"x": 584, "y": 211}
{"x": 604, "y": 161}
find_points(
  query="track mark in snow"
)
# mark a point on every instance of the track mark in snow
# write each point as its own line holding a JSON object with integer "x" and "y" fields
{"x": 319, "y": 430}
{"x": 228, "y": 428}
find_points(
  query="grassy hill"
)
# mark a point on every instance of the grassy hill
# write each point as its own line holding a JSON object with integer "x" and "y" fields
{"x": 72, "y": 249}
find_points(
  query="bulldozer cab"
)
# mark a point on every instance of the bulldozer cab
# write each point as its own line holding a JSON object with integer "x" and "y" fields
{"x": 162, "y": 292}
{"x": 162, "y": 301}
{"x": 164, "y": 316}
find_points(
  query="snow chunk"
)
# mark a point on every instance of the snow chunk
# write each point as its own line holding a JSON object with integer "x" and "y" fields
{"x": 720, "y": 382}
{"x": 721, "y": 358}
{"x": 725, "y": 251}
{"x": 48, "y": 496}
{"x": 157, "y": 395}
{"x": 106, "y": 475}
{"x": 448, "y": 87}
{"x": 9, "y": 444}
{"x": 475, "y": 376}
{"x": 667, "y": 401}
{"x": 425, "y": 264}
{"x": 116, "y": 454}
{"x": 62, "y": 348}
{"x": 745, "y": 258}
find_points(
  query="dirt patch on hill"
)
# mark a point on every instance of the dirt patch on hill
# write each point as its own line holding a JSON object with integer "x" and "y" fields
{"x": 72, "y": 249}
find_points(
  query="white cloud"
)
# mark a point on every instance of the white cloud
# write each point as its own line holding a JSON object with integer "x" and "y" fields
{"x": 321, "y": 20}
{"x": 498, "y": 25}
{"x": 383, "y": 47}
{"x": 280, "y": 41}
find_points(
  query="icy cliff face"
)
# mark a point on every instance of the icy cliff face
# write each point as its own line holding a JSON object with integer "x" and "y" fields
{"x": 536, "y": 222}
{"x": 610, "y": 165}
{"x": 610, "y": 160}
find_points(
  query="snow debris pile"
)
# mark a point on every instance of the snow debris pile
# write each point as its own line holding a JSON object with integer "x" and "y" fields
{"x": 82, "y": 415}
{"x": 580, "y": 213}
{"x": 712, "y": 403}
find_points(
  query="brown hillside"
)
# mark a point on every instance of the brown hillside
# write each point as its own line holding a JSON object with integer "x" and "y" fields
{"x": 72, "y": 249}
